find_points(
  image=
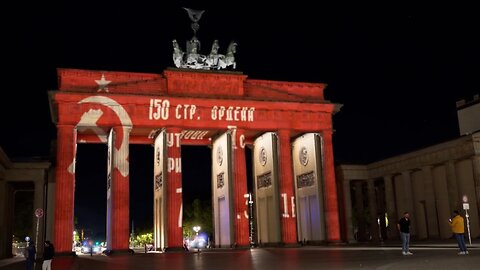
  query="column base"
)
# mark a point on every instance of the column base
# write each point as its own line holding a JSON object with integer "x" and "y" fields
{"x": 63, "y": 261}
{"x": 116, "y": 252}
{"x": 242, "y": 246}
{"x": 273, "y": 244}
{"x": 176, "y": 249}
{"x": 291, "y": 245}
{"x": 337, "y": 243}
{"x": 65, "y": 254}
{"x": 313, "y": 243}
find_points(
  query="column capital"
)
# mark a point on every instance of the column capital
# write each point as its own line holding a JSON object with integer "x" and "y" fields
{"x": 65, "y": 130}
{"x": 65, "y": 126}
{"x": 284, "y": 137}
{"x": 238, "y": 137}
{"x": 236, "y": 128}
{"x": 129, "y": 128}
{"x": 450, "y": 162}
{"x": 284, "y": 132}
{"x": 327, "y": 132}
{"x": 174, "y": 128}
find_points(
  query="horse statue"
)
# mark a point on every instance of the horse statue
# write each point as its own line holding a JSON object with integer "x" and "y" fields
{"x": 229, "y": 58}
{"x": 177, "y": 54}
{"x": 213, "y": 57}
{"x": 194, "y": 58}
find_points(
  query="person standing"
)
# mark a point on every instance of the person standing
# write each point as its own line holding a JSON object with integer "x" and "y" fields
{"x": 31, "y": 251}
{"x": 48, "y": 253}
{"x": 91, "y": 247}
{"x": 404, "y": 227}
{"x": 458, "y": 229}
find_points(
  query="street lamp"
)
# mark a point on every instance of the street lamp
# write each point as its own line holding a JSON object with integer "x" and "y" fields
{"x": 196, "y": 229}
{"x": 73, "y": 243}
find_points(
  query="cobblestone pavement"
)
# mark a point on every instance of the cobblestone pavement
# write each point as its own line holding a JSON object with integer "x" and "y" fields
{"x": 328, "y": 257}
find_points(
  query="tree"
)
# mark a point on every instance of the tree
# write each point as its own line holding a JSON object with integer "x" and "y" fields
{"x": 198, "y": 213}
{"x": 143, "y": 239}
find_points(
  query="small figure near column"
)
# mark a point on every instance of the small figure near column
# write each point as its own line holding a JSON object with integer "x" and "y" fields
{"x": 48, "y": 253}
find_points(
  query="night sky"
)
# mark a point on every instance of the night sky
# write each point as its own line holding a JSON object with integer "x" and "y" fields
{"x": 398, "y": 70}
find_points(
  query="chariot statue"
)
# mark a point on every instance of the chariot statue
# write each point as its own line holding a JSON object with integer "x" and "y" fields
{"x": 192, "y": 58}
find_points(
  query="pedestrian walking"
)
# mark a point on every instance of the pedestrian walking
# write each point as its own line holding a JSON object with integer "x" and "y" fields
{"x": 457, "y": 224}
{"x": 403, "y": 226}
{"x": 48, "y": 253}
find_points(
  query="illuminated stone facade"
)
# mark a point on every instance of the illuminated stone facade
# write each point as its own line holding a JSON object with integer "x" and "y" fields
{"x": 429, "y": 183}
{"x": 191, "y": 108}
{"x": 31, "y": 176}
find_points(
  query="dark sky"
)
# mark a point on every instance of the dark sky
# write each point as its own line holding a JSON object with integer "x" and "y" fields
{"x": 397, "y": 68}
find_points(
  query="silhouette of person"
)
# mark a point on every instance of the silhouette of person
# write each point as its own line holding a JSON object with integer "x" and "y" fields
{"x": 48, "y": 253}
{"x": 31, "y": 251}
{"x": 404, "y": 228}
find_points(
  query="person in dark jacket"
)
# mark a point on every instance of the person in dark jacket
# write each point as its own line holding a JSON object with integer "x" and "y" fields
{"x": 48, "y": 253}
{"x": 31, "y": 251}
{"x": 403, "y": 226}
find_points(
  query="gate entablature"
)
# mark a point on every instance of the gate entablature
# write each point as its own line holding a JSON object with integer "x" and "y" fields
{"x": 184, "y": 82}
{"x": 201, "y": 101}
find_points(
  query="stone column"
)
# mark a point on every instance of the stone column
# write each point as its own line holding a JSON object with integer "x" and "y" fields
{"x": 452, "y": 186}
{"x": 240, "y": 189}
{"x": 3, "y": 220}
{"x": 476, "y": 177}
{"x": 174, "y": 190}
{"x": 330, "y": 191}
{"x": 120, "y": 189}
{"x": 64, "y": 189}
{"x": 347, "y": 201}
{"x": 441, "y": 195}
{"x": 409, "y": 200}
{"x": 391, "y": 211}
{"x": 50, "y": 209}
{"x": 430, "y": 206}
{"x": 286, "y": 188}
{"x": 359, "y": 209}
{"x": 372, "y": 202}
{"x": 38, "y": 199}
{"x": 9, "y": 215}
{"x": 418, "y": 190}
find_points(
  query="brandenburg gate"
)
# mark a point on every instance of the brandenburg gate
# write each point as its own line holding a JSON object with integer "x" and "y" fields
{"x": 287, "y": 124}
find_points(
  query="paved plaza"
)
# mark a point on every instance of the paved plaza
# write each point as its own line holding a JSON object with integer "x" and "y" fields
{"x": 426, "y": 256}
